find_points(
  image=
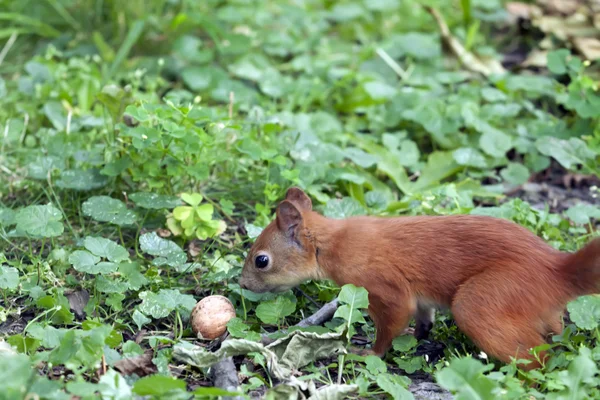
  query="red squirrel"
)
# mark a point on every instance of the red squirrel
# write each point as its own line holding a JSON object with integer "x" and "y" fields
{"x": 505, "y": 287}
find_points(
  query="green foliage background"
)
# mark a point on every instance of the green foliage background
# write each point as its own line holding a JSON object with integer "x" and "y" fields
{"x": 144, "y": 144}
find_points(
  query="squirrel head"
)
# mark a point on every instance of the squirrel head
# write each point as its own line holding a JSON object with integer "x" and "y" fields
{"x": 283, "y": 255}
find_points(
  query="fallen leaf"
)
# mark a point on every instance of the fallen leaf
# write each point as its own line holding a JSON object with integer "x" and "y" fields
{"x": 519, "y": 10}
{"x": 565, "y": 7}
{"x": 140, "y": 365}
{"x": 77, "y": 302}
{"x": 588, "y": 47}
{"x": 164, "y": 233}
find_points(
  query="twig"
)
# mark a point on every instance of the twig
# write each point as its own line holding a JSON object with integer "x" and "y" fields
{"x": 9, "y": 43}
{"x": 466, "y": 58}
{"x": 307, "y": 297}
{"x": 324, "y": 314}
{"x": 231, "y": 97}
{"x": 224, "y": 375}
{"x": 103, "y": 365}
{"x": 402, "y": 74}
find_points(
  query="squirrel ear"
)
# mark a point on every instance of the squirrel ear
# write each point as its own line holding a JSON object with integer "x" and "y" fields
{"x": 289, "y": 218}
{"x": 299, "y": 198}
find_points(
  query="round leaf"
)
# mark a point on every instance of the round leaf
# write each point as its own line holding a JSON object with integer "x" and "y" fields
{"x": 9, "y": 278}
{"x": 40, "y": 221}
{"x": 107, "y": 209}
{"x": 193, "y": 199}
{"x": 106, "y": 248}
{"x": 585, "y": 311}
{"x": 154, "y": 201}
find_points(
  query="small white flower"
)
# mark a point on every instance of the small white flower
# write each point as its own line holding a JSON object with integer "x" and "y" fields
{"x": 483, "y": 355}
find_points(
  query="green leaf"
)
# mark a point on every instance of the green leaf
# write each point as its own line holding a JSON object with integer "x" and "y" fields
{"x": 7, "y": 217}
{"x": 193, "y": 199}
{"x": 196, "y": 78}
{"x": 567, "y": 152}
{"x": 380, "y": 91}
{"x": 355, "y": 297}
{"x": 464, "y": 376}
{"x": 154, "y": 201}
{"x": 40, "y": 221}
{"x": 415, "y": 44}
{"x": 557, "y": 61}
{"x": 157, "y": 385}
{"x": 237, "y": 328}
{"x": 81, "y": 179}
{"x": 140, "y": 319}
{"x": 352, "y": 298}
{"x": 469, "y": 157}
{"x": 165, "y": 251}
{"x": 495, "y": 143}
{"x": 115, "y": 386}
{"x": 395, "y": 386}
{"x": 16, "y": 371}
{"x": 582, "y": 213}
{"x": 83, "y": 389}
{"x": 585, "y": 311}
{"x": 183, "y": 213}
{"x": 409, "y": 364}
{"x": 205, "y": 212}
{"x": 84, "y": 261}
{"x": 360, "y": 157}
{"x": 375, "y": 365}
{"x": 106, "y": 248}
{"x": 131, "y": 272}
{"x": 343, "y": 208}
{"x": 9, "y": 277}
{"x": 404, "y": 343}
{"x": 440, "y": 165}
{"x": 273, "y": 311}
{"x": 161, "y": 304}
{"x": 56, "y": 114}
{"x": 107, "y": 209}
{"x": 116, "y": 167}
{"x": 581, "y": 373}
{"x": 516, "y": 174}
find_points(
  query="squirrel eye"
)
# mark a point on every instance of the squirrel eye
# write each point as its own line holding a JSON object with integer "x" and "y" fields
{"x": 261, "y": 261}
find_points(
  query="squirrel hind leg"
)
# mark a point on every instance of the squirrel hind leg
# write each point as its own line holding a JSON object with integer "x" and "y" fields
{"x": 495, "y": 330}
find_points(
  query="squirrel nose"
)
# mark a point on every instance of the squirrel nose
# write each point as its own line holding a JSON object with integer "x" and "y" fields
{"x": 243, "y": 284}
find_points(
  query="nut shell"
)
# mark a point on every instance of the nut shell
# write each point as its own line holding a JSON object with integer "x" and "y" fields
{"x": 210, "y": 316}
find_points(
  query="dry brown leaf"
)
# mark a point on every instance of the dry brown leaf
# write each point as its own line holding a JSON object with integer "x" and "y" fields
{"x": 536, "y": 58}
{"x": 516, "y": 9}
{"x": 77, "y": 302}
{"x": 194, "y": 248}
{"x": 164, "y": 233}
{"x": 565, "y": 7}
{"x": 140, "y": 365}
{"x": 588, "y": 47}
{"x": 576, "y": 25}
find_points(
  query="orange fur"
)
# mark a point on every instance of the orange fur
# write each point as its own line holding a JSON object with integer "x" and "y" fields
{"x": 506, "y": 288}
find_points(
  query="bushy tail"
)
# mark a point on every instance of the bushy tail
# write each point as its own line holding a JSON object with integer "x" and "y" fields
{"x": 583, "y": 268}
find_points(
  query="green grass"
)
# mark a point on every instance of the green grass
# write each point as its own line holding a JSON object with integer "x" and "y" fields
{"x": 144, "y": 144}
